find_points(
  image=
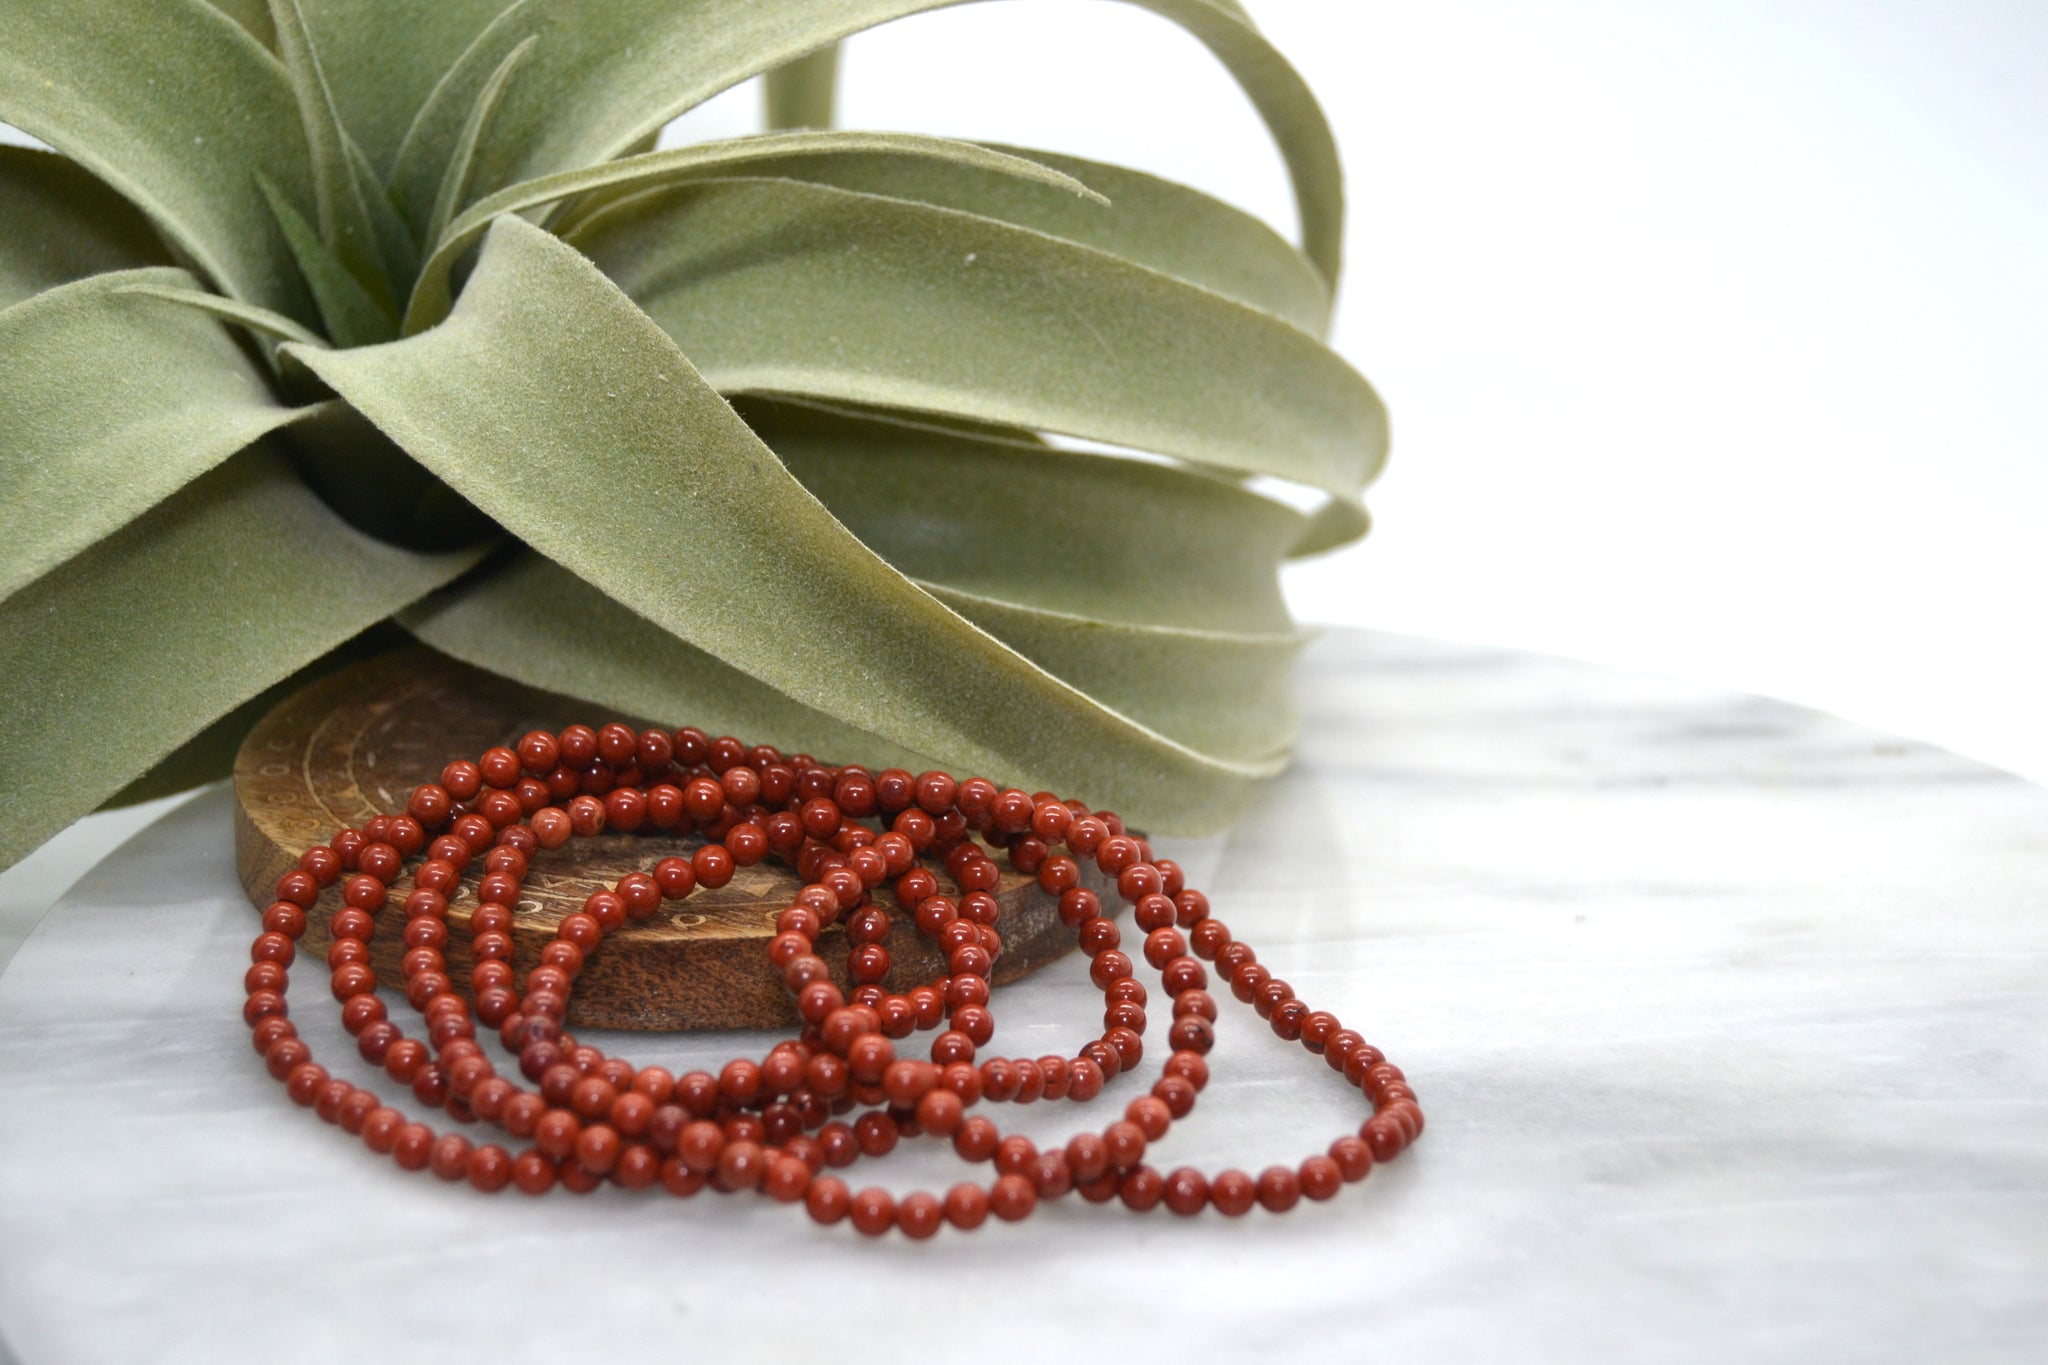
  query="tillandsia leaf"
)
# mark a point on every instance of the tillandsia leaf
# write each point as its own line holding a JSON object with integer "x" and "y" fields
{"x": 260, "y": 579}
{"x": 340, "y": 211}
{"x": 1335, "y": 524}
{"x": 253, "y": 15}
{"x": 177, "y": 108}
{"x": 259, "y": 320}
{"x": 1226, "y": 694}
{"x": 804, "y": 154}
{"x": 1126, "y": 608}
{"x": 348, "y": 314}
{"x": 395, "y": 245}
{"x": 778, "y": 287}
{"x": 114, "y": 401}
{"x": 534, "y": 621}
{"x": 654, "y": 169}
{"x": 609, "y": 72}
{"x": 380, "y": 80}
{"x": 1153, "y": 222}
{"x": 679, "y": 513}
{"x": 455, "y": 180}
{"x": 210, "y": 755}
{"x": 1114, "y": 540}
{"x": 375, "y": 486}
{"x": 59, "y": 224}
{"x": 800, "y": 95}
{"x": 545, "y": 627}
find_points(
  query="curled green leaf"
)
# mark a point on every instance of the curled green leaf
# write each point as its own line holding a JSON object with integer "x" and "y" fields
{"x": 342, "y": 214}
{"x": 680, "y": 514}
{"x": 258, "y": 320}
{"x": 535, "y": 621}
{"x": 800, "y": 95}
{"x": 1225, "y": 694}
{"x": 81, "y": 457}
{"x": 350, "y": 315}
{"x": 779, "y": 287}
{"x": 58, "y": 224}
{"x": 126, "y": 111}
{"x": 652, "y": 170}
{"x": 379, "y": 84}
{"x": 261, "y": 580}
{"x": 1151, "y": 222}
{"x": 608, "y": 75}
{"x": 1113, "y": 540}
{"x": 455, "y": 180}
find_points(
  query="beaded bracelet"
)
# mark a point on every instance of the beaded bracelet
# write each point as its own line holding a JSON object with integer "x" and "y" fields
{"x": 595, "y": 1118}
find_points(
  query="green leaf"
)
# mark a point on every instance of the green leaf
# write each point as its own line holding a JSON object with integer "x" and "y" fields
{"x": 679, "y": 513}
{"x": 395, "y": 245}
{"x": 253, "y": 15}
{"x": 259, "y": 320}
{"x": 347, "y": 312}
{"x": 114, "y": 402}
{"x": 534, "y": 621}
{"x": 681, "y": 164}
{"x": 1152, "y": 222}
{"x": 455, "y": 180}
{"x": 1173, "y": 617}
{"x": 1230, "y": 695}
{"x": 1109, "y": 539}
{"x": 59, "y": 224}
{"x": 610, "y": 72}
{"x": 256, "y": 579}
{"x": 383, "y": 58}
{"x": 777, "y": 287}
{"x": 209, "y": 755}
{"x": 375, "y": 486}
{"x": 342, "y": 215}
{"x": 177, "y": 108}
{"x": 800, "y": 95}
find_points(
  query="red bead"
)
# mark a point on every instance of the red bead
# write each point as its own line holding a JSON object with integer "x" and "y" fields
{"x": 1142, "y": 1189}
{"x": 1320, "y": 1177}
{"x": 873, "y": 1211}
{"x": 449, "y": 1157}
{"x": 1187, "y": 1191}
{"x": 533, "y": 1173}
{"x": 1353, "y": 1157}
{"x": 966, "y": 1206}
{"x": 976, "y": 1139}
{"x": 827, "y": 1199}
{"x": 1382, "y": 1138}
{"x": 1012, "y": 1198}
{"x": 1125, "y": 1143}
{"x": 412, "y": 1146}
{"x": 920, "y": 1215}
{"x": 1278, "y": 1189}
{"x": 284, "y": 918}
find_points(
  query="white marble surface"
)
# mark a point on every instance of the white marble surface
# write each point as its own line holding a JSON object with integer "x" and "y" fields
{"x": 1729, "y": 1019}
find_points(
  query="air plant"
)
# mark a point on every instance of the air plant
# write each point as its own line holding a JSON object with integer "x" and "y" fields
{"x": 330, "y": 319}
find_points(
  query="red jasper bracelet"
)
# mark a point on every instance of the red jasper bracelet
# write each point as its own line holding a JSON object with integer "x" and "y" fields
{"x": 779, "y": 1125}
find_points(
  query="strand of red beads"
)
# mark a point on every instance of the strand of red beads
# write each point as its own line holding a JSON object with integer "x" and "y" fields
{"x": 773, "y": 1125}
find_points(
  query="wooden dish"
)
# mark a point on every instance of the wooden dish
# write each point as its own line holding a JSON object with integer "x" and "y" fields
{"x": 355, "y": 743}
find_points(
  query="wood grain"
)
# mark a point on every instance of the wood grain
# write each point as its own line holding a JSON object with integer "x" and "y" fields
{"x": 356, "y": 743}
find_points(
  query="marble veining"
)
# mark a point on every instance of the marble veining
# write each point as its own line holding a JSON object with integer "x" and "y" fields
{"x": 1728, "y": 1016}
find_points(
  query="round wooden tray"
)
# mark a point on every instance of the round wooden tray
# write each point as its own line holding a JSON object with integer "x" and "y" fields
{"x": 355, "y": 743}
